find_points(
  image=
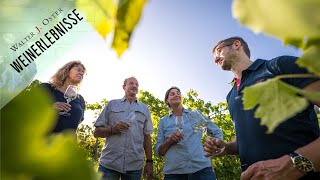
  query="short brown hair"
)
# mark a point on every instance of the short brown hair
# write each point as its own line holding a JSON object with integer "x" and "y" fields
{"x": 231, "y": 40}
{"x": 167, "y": 94}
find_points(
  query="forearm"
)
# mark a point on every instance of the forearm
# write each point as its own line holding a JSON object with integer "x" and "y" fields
{"x": 165, "y": 146}
{"x": 314, "y": 87}
{"x": 231, "y": 148}
{"x": 147, "y": 146}
{"x": 102, "y": 132}
{"x": 311, "y": 152}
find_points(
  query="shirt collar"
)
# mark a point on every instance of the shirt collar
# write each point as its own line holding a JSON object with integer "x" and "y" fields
{"x": 254, "y": 66}
{"x": 183, "y": 110}
{"x": 126, "y": 99}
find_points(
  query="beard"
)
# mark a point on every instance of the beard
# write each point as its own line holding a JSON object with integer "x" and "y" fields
{"x": 229, "y": 61}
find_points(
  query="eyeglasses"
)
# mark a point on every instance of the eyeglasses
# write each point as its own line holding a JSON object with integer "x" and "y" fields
{"x": 218, "y": 50}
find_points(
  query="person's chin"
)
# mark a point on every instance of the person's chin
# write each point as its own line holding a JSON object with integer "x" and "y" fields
{"x": 225, "y": 68}
{"x": 133, "y": 94}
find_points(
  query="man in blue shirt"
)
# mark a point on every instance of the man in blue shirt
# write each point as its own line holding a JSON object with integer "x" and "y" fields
{"x": 292, "y": 150}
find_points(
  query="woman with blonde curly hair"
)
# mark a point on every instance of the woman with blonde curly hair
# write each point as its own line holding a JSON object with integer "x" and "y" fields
{"x": 70, "y": 74}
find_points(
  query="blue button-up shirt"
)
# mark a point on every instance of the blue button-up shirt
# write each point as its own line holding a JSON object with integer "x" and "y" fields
{"x": 187, "y": 156}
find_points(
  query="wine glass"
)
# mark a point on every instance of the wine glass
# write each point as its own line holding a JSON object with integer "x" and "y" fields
{"x": 179, "y": 125}
{"x": 201, "y": 126}
{"x": 131, "y": 117}
{"x": 70, "y": 94}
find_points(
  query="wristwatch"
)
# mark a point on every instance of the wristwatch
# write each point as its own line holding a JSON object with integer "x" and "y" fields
{"x": 301, "y": 163}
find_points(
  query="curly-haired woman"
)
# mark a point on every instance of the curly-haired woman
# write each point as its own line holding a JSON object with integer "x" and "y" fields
{"x": 70, "y": 74}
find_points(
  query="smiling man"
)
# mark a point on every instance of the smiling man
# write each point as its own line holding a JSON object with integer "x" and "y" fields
{"x": 122, "y": 155}
{"x": 292, "y": 150}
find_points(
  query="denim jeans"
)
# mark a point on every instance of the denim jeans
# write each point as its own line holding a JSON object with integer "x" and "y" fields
{"x": 109, "y": 174}
{"x": 203, "y": 174}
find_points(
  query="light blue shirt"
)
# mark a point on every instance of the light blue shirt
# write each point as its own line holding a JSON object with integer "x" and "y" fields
{"x": 187, "y": 156}
{"x": 124, "y": 151}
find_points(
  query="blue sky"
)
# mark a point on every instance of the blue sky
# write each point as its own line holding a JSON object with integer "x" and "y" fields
{"x": 171, "y": 46}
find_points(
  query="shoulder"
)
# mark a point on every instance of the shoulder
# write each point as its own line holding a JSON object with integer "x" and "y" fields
{"x": 47, "y": 86}
{"x": 143, "y": 108}
{"x": 114, "y": 101}
{"x": 163, "y": 119}
{"x": 282, "y": 61}
{"x": 142, "y": 104}
{"x": 82, "y": 101}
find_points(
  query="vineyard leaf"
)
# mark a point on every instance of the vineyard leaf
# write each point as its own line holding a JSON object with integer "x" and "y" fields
{"x": 277, "y": 102}
{"x": 128, "y": 15}
{"x": 28, "y": 151}
{"x": 303, "y": 18}
{"x": 311, "y": 59}
{"x": 101, "y": 14}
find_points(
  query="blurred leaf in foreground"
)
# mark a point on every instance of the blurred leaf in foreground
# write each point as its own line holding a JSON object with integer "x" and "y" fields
{"x": 277, "y": 102}
{"x": 106, "y": 16}
{"x": 129, "y": 13}
{"x": 28, "y": 152}
{"x": 311, "y": 59}
{"x": 301, "y": 17}
{"x": 101, "y": 14}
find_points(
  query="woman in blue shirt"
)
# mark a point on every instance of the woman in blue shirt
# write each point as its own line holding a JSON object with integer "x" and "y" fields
{"x": 182, "y": 148}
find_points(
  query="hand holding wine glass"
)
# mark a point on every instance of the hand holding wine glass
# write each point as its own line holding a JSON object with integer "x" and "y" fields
{"x": 179, "y": 124}
{"x": 70, "y": 94}
{"x": 202, "y": 125}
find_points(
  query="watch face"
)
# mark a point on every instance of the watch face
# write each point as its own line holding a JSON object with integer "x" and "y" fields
{"x": 303, "y": 164}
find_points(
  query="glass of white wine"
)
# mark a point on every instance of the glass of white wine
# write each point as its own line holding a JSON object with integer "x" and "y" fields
{"x": 202, "y": 126}
{"x": 70, "y": 94}
{"x": 131, "y": 117}
{"x": 179, "y": 125}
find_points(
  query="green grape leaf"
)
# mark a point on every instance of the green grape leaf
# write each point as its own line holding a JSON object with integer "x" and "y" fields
{"x": 106, "y": 16}
{"x": 101, "y": 14}
{"x": 277, "y": 102}
{"x": 128, "y": 15}
{"x": 311, "y": 59}
{"x": 29, "y": 152}
{"x": 302, "y": 18}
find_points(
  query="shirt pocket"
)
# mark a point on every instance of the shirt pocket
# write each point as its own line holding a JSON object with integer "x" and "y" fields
{"x": 140, "y": 119}
{"x": 169, "y": 131}
{"x": 116, "y": 114}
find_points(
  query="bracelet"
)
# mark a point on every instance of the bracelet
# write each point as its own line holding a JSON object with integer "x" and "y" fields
{"x": 149, "y": 160}
{"x": 111, "y": 130}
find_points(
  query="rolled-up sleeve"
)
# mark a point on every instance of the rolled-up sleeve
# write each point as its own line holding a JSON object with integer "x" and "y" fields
{"x": 148, "y": 128}
{"x": 214, "y": 130}
{"x": 102, "y": 119}
{"x": 160, "y": 138}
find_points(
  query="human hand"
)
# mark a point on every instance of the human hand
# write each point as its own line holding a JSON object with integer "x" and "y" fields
{"x": 119, "y": 127}
{"x": 176, "y": 137}
{"x": 62, "y": 106}
{"x": 214, "y": 147}
{"x": 274, "y": 169}
{"x": 148, "y": 171}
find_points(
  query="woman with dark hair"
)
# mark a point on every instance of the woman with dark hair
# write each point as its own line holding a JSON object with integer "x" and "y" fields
{"x": 70, "y": 74}
{"x": 180, "y": 144}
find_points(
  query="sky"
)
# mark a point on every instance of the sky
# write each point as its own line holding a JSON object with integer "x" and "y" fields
{"x": 171, "y": 46}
